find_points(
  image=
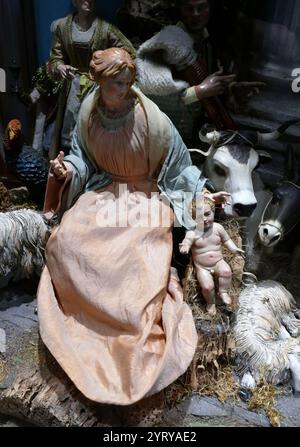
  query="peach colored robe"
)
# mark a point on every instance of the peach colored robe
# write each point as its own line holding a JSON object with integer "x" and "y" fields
{"x": 110, "y": 311}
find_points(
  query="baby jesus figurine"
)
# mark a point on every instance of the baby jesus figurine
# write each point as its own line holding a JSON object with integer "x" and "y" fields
{"x": 206, "y": 243}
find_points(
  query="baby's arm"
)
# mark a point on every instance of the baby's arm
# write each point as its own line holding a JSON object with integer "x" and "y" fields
{"x": 187, "y": 242}
{"x": 228, "y": 242}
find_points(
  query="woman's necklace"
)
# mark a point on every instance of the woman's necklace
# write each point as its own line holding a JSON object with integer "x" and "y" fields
{"x": 115, "y": 120}
{"x": 116, "y": 113}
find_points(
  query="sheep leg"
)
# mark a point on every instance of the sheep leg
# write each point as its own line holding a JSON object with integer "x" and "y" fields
{"x": 295, "y": 370}
{"x": 291, "y": 324}
{"x": 248, "y": 381}
{"x": 283, "y": 334}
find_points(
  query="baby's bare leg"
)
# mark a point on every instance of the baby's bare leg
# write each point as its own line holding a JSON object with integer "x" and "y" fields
{"x": 206, "y": 282}
{"x": 224, "y": 274}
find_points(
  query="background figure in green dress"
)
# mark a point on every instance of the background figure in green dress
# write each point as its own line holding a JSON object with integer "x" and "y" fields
{"x": 75, "y": 38}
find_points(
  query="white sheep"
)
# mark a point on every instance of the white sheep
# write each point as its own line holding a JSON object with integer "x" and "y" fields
{"x": 23, "y": 237}
{"x": 267, "y": 335}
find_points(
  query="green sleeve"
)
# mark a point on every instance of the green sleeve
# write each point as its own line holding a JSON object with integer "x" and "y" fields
{"x": 57, "y": 53}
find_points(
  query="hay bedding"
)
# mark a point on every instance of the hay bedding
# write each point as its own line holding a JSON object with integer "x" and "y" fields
{"x": 15, "y": 199}
{"x": 264, "y": 398}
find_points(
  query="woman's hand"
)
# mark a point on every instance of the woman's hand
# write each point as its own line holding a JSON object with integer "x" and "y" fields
{"x": 57, "y": 167}
{"x": 220, "y": 198}
{"x": 214, "y": 85}
{"x": 66, "y": 71}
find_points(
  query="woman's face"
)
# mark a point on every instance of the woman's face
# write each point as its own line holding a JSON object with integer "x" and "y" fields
{"x": 114, "y": 90}
{"x": 85, "y": 6}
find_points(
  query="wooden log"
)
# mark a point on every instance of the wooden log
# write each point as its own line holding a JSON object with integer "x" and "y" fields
{"x": 35, "y": 389}
{"x": 44, "y": 396}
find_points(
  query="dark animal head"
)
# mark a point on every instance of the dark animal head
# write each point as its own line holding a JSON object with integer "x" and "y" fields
{"x": 281, "y": 215}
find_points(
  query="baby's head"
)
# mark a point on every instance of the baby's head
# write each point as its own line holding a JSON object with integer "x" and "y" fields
{"x": 203, "y": 211}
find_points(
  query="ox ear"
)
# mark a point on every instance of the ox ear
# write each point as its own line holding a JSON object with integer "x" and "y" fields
{"x": 264, "y": 157}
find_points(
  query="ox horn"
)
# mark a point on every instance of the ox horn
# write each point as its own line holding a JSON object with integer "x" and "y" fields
{"x": 271, "y": 136}
{"x": 212, "y": 137}
{"x": 206, "y": 154}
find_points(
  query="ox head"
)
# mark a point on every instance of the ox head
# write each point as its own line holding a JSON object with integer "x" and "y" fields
{"x": 230, "y": 162}
{"x": 281, "y": 214}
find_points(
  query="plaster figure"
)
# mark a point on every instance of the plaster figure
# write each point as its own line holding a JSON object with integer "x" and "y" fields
{"x": 205, "y": 243}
